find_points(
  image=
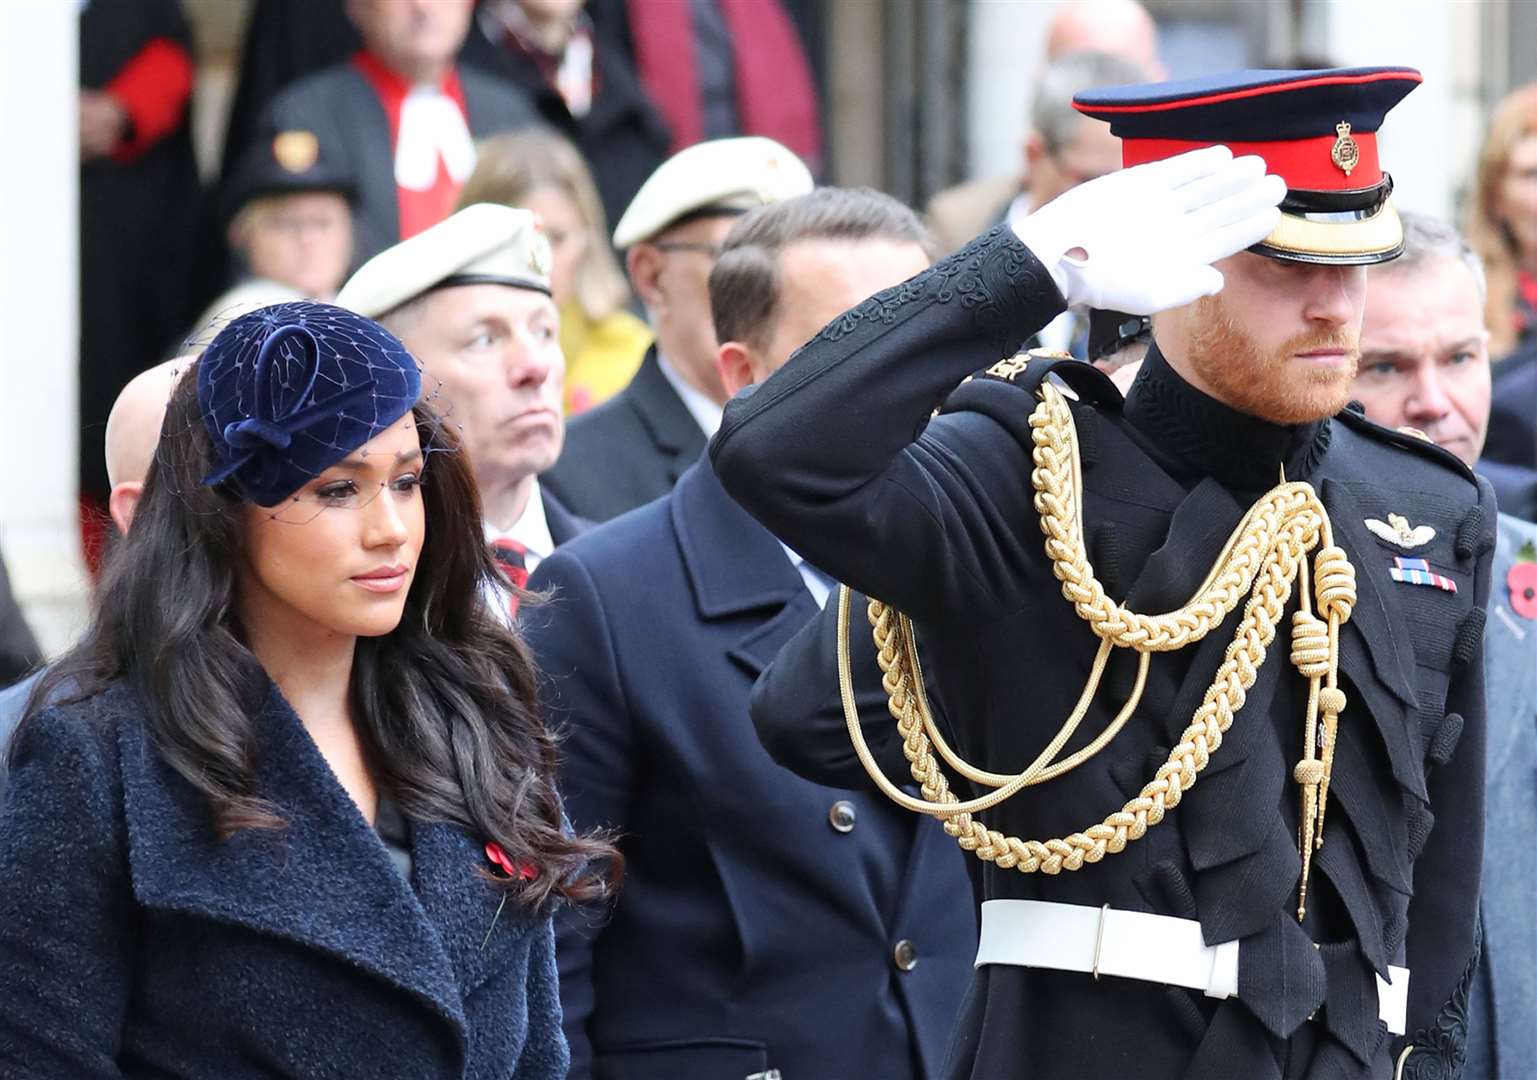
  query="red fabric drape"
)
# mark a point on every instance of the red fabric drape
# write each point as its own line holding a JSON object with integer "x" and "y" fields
{"x": 154, "y": 88}
{"x": 775, "y": 93}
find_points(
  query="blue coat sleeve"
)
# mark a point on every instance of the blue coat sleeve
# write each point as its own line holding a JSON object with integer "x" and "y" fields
{"x": 835, "y": 452}
{"x": 585, "y": 704}
{"x": 66, "y": 908}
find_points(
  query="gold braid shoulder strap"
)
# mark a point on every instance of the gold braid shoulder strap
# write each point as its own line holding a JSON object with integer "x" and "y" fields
{"x": 1266, "y": 553}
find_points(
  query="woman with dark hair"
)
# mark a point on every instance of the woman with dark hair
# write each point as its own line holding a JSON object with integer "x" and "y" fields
{"x": 293, "y": 813}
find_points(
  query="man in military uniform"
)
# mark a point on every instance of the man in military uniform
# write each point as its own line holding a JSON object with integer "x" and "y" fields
{"x": 1251, "y": 849}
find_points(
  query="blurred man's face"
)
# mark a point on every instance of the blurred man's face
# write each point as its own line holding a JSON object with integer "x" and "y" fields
{"x": 1091, "y": 152}
{"x": 495, "y": 353}
{"x": 409, "y": 35}
{"x": 820, "y": 280}
{"x": 1280, "y": 341}
{"x": 1425, "y": 354}
{"x": 671, "y": 274}
{"x": 303, "y": 241}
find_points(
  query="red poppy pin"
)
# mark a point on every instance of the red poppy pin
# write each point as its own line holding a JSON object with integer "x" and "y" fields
{"x": 521, "y": 871}
{"x": 518, "y": 871}
{"x": 1522, "y": 582}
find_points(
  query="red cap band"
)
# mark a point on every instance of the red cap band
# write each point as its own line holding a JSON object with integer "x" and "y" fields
{"x": 1305, "y": 164}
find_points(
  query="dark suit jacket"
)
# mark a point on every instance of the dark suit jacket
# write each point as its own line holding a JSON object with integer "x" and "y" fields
{"x": 1515, "y": 488}
{"x": 622, "y": 138}
{"x": 564, "y": 525}
{"x": 133, "y": 943}
{"x": 627, "y": 451}
{"x": 343, "y": 111}
{"x": 1512, "y": 435}
{"x": 1502, "y": 1043}
{"x": 19, "y": 653}
{"x": 752, "y": 933}
{"x": 836, "y": 454}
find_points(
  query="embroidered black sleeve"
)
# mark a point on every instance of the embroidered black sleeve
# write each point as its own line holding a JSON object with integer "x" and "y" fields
{"x": 1439, "y": 1051}
{"x": 995, "y": 277}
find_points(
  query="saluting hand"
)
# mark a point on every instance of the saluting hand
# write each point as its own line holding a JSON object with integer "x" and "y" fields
{"x": 1143, "y": 239}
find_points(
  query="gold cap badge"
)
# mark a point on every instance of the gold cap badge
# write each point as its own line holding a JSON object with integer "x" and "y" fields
{"x": 1345, "y": 153}
{"x": 296, "y": 151}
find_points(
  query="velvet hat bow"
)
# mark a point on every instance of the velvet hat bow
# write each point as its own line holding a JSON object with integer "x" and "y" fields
{"x": 289, "y": 390}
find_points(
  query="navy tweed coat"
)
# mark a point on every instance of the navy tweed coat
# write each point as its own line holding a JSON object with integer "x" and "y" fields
{"x": 134, "y": 944}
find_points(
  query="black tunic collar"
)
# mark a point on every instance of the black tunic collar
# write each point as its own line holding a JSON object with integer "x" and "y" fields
{"x": 1194, "y": 435}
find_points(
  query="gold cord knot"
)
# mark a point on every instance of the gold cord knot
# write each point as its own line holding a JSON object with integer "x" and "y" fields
{"x": 1308, "y": 771}
{"x": 1336, "y": 583}
{"x": 1331, "y": 699}
{"x": 1310, "y": 645}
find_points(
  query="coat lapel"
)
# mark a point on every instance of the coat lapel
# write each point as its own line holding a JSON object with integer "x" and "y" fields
{"x": 324, "y": 881}
{"x": 563, "y": 524}
{"x": 736, "y": 567}
{"x": 1198, "y": 529}
{"x": 673, "y": 429}
{"x": 476, "y": 928}
{"x": 1374, "y": 657}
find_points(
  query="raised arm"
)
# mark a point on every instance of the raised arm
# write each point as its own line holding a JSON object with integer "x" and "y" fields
{"x": 835, "y": 453}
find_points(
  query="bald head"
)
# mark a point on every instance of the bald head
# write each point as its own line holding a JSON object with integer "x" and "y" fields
{"x": 1119, "y": 27}
{"x": 133, "y": 431}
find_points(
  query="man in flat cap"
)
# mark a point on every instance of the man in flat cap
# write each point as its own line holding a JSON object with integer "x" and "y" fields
{"x": 470, "y": 297}
{"x": 633, "y": 447}
{"x": 1203, "y": 663}
{"x": 768, "y": 926}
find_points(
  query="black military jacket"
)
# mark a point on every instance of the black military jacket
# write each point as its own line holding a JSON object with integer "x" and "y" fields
{"x": 837, "y": 455}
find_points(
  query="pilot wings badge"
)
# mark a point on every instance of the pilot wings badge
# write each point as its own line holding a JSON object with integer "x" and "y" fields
{"x": 1397, "y": 530}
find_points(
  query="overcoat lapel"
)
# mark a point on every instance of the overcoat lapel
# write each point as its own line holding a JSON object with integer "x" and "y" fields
{"x": 736, "y": 567}
{"x": 324, "y": 880}
{"x": 673, "y": 429}
{"x": 1373, "y": 657}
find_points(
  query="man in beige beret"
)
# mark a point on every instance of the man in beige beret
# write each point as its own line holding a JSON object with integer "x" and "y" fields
{"x": 470, "y": 297}
{"x": 633, "y": 447}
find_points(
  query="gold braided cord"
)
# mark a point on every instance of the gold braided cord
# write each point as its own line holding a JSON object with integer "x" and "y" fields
{"x": 1259, "y": 564}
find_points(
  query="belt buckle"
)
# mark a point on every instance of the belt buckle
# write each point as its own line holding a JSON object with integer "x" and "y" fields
{"x": 1099, "y": 940}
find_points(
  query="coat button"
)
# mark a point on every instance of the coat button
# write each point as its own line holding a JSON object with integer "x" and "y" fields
{"x": 904, "y": 955}
{"x": 842, "y": 816}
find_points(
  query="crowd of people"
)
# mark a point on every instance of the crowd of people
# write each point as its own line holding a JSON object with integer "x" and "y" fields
{"x": 469, "y": 477}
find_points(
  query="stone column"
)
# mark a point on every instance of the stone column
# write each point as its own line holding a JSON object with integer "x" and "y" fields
{"x": 39, "y": 331}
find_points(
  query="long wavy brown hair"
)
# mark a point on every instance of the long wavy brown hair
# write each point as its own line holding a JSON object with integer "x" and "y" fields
{"x": 1513, "y": 119}
{"x": 445, "y": 704}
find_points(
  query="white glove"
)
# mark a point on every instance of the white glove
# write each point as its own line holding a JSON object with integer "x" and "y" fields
{"x": 1143, "y": 239}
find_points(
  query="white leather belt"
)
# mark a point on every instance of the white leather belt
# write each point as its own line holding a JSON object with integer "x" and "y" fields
{"x": 1133, "y": 945}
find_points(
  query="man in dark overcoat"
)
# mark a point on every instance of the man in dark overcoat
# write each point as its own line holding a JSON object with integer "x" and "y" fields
{"x": 766, "y": 926}
{"x": 400, "y": 117}
{"x": 1265, "y": 861}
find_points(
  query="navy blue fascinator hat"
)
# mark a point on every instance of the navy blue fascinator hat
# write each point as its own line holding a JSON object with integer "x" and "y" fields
{"x": 289, "y": 390}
